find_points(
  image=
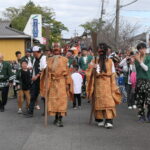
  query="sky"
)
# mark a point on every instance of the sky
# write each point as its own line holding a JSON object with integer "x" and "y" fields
{"x": 73, "y": 13}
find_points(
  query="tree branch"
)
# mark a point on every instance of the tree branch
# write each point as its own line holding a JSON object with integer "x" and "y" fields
{"x": 128, "y": 4}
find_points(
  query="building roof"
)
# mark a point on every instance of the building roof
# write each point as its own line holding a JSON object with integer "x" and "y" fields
{"x": 141, "y": 36}
{"x": 7, "y": 32}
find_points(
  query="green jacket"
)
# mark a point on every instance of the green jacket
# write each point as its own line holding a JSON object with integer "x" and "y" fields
{"x": 141, "y": 73}
{"x": 71, "y": 62}
{"x": 84, "y": 65}
{"x": 6, "y": 74}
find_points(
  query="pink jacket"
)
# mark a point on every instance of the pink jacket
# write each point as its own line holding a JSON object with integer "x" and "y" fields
{"x": 133, "y": 79}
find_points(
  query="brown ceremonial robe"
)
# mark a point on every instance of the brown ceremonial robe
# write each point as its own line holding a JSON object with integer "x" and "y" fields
{"x": 107, "y": 93}
{"x": 59, "y": 85}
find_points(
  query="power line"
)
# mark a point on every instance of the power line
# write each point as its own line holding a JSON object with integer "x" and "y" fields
{"x": 137, "y": 10}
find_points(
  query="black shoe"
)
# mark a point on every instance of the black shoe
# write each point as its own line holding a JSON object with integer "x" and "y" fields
{"x": 142, "y": 118}
{"x": 59, "y": 123}
{"x": 2, "y": 109}
{"x": 55, "y": 122}
{"x": 28, "y": 114}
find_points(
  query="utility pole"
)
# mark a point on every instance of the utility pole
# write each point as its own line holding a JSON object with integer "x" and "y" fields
{"x": 102, "y": 11}
{"x": 118, "y": 7}
{"x": 117, "y": 22}
{"x": 101, "y": 19}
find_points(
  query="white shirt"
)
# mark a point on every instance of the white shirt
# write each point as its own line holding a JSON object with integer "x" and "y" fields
{"x": 85, "y": 58}
{"x": 29, "y": 63}
{"x": 98, "y": 69}
{"x": 77, "y": 82}
{"x": 42, "y": 64}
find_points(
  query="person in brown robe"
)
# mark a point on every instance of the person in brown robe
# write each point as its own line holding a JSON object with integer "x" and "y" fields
{"x": 57, "y": 80}
{"x": 103, "y": 86}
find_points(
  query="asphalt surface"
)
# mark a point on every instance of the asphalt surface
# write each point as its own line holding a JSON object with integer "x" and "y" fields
{"x": 20, "y": 133}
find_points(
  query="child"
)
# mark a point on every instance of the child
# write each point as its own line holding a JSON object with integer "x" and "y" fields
{"x": 77, "y": 82}
{"x": 121, "y": 85}
{"x": 23, "y": 85}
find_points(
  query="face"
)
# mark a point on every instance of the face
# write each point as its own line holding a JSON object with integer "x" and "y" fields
{"x": 56, "y": 52}
{"x": 109, "y": 51}
{"x": 101, "y": 52}
{"x": 24, "y": 65}
{"x": 69, "y": 54}
{"x": 84, "y": 52}
{"x": 35, "y": 54}
{"x": 132, "y": 60}
{"x": 48, "y": 53}
{"x": 142, "y": 51}
{"x": 28, "y": 54}
{"x": 19, "y": 56}
{"x": 1, "y": 57}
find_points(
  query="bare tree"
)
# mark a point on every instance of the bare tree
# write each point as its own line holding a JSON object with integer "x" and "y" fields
{"x": 127, "y": 31}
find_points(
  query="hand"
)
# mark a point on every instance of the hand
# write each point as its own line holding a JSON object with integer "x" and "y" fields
{"x": 30, "y": 68}
{"x": 137, "y": 57}
{"x": 10, "y": 84}
{"x": 127, "y": 57}
{"x": 18, "y": 87}
{"x": 34, "y": 78}
{"x": 132, "y": 60}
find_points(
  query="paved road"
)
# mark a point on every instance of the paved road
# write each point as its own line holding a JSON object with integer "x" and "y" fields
{"x": 19, "y": 133}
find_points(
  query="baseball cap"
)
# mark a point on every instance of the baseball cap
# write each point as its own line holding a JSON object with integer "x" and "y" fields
{"x": 36, "y": 49}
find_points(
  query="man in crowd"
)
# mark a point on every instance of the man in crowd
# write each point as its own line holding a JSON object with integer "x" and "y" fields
{"x": 142, "y": 64}
{"x": 6, "y": 77}
{"x": 39, "y": 64}
{"x": 58, "y": 77}
{"x": 71, "y": 59}
{"x": 48, "y": 52}
{"x": 18, "y": 57}
{"x": 128, "y": 66}
{"x": 105, "y": 90}
{"x": 84, "y": 61}
{"x": 28, "y": 58}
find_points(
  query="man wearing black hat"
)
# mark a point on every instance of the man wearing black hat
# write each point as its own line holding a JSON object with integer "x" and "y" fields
{"x": 39, "y": 64}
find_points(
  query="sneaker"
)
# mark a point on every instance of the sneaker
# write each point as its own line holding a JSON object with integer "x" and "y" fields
{"x": 75, "y": 108}
{"x": 55, "y": 121}
{"x": 134, "y": 107}
{"x": 37, "y": 107}
{"x": 130, "y": 107}
{"x": 19, "y": 111}
{"x": 108, "y": 125}
{"x": 101, "y": 124}
{"x": 148, "y": 119}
